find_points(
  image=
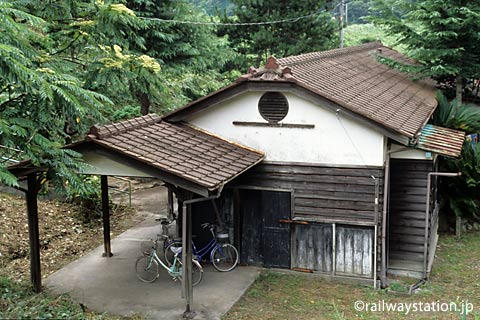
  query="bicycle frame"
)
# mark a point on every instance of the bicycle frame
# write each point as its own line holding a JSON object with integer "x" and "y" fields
{"x": 172, "y": 271}
{"x": 203, "y": 251}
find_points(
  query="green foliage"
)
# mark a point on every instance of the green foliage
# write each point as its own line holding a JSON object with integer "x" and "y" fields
{"x": 442, "y": 36}
{"x": 255, "y": 43}
{"x": 99, "y": 42}
{"x": 215, "y": 7}
{"x": 61, "y": 60}
{"x": 41, "y": 105}
{"x": 460, "y": 195}
{"x": 356, "y": 34}
{"x": 126, "y": 112}
{"x": 17, "y": 301}
{"x": 448, "y": 114}
{"x": 191, "y": 55}
{"x": 358, "y": 11}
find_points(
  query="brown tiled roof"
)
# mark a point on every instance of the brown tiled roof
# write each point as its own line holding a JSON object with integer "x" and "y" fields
{"x": 178, "y": 149}
{"x": 353, "y": 78}
{"x": 441, "y": 140}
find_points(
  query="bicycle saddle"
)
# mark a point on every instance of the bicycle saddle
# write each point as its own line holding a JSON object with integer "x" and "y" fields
{"x": 176, "y": 250}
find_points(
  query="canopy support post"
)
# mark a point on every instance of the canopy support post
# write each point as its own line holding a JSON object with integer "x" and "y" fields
{"x": 33, "y": 233}
{"x": 106, "y": 217}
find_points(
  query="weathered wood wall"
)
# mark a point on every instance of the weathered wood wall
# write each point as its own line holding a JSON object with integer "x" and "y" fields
{"x": 321, "y": 196}
{"x": 406, "y": 224}
{"x": 322, "y": 193}
{"x": 313, "y": 247}
{"x": 354, "y": 251}
{"x": 349, "y": 253}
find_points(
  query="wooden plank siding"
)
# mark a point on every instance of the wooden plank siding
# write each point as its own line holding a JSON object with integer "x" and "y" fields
{"x": 348, "y": 253}
{"x": 354, "y": 251}
{"x": 322, "y": 193}
{"x": 313, "y": 247}
{"x": 407, "y": 205}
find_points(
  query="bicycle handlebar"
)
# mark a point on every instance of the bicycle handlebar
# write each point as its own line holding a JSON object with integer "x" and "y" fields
{"x": 207, "y": 225}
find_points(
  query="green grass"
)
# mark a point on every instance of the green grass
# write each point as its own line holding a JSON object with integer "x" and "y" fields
{"x": 455, "y": 278}
{"x": 18, "y": 301}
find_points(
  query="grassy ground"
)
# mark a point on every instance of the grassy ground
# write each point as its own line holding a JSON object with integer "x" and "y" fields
{"x": 455, "y": 278}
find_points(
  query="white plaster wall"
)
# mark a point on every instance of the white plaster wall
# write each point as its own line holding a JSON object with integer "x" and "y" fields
{"x": 327, "y": 143}
{"x": 400, "y": 152}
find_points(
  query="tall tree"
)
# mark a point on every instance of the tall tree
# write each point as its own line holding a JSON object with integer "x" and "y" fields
{"x": 442, "y": 36}
{"x": 314, "y": 31}
{"x": 99, "y": 42}
{"x": 38, "y": 100}
{"x": 191, "y": 54}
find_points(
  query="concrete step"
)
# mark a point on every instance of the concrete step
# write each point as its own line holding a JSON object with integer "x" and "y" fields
{"x": 405, "y": 268}
{"x": 408, "y": 265}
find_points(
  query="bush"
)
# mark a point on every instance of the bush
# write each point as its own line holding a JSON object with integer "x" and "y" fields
{"x": 459, "y": 196}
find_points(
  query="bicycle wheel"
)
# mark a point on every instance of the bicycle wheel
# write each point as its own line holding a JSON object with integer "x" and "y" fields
{"x": 197, "y": 272}
{"x": 146, "y": 268}
{"x": 224, "y": 257}
{"x": 168, "y": 254}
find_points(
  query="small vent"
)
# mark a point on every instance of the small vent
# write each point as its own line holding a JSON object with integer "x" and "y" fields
{"x": 273, "y": 106}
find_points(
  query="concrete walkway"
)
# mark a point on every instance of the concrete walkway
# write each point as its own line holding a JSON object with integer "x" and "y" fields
{"x": 110, "y": 284}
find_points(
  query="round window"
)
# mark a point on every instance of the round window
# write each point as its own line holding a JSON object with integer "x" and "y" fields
{"x": 273, "y": 106}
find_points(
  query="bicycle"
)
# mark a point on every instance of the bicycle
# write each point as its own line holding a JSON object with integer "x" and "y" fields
{"x": 224, "y": 256}
{"x": 147, "y": 266}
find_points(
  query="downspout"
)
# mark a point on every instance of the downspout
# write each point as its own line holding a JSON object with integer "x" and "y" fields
{"x": 187, "y": 290}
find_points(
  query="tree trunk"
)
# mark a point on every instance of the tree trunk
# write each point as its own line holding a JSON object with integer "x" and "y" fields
{"x": 459, "y": 90}
{"x": 144, "y": 103}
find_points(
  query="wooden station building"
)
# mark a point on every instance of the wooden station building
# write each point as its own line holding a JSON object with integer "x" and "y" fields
{"x": 322, "y": 162}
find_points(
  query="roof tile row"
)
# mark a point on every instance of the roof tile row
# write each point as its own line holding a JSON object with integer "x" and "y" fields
{"x": 178, "y": 149}
{"x": 354, "y": 78}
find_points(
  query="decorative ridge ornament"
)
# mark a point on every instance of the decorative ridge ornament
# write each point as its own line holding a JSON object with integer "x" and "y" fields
{"x": 272, "y": 71}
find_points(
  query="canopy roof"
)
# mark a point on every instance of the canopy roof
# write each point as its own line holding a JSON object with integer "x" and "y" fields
{"x": 177, "y": 150}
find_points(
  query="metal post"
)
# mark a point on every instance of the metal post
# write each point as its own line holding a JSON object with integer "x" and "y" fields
{"x": 106, "y": 217}
{"x": 334, "y": 249}
{"x": 187, "y": 289}
{"x": 375, "y": 256}
{"x": 187, "y": 261}
{"x": 342, "y": 13}
{"x": 32, "y": 210}
{"x": 179, "y": 218}
{"x": 170, "y": 203}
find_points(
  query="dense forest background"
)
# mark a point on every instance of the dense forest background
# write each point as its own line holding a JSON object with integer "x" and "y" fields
{"x": 68, "y": 64}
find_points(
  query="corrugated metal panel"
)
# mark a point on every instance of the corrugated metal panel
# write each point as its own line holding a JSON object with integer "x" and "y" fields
{"x": 441, "y": 140}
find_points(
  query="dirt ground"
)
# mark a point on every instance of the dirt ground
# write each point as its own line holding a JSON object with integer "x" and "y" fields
{"x": 65, "y": 231}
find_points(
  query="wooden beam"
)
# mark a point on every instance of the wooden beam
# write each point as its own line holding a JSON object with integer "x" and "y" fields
{"x": 106, "y": 218}
{"x": 97, "y": 149}
{"x": 33, "y": 233}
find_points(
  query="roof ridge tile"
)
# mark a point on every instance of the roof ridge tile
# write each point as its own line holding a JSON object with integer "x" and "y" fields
{"x": 101, "y": 132}
{"x": 312, "y": 56}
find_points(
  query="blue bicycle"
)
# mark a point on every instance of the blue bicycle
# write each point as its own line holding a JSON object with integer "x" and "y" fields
{"x": 224, "y": 256}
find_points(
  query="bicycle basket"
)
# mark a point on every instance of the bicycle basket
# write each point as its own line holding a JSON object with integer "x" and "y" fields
{"x": 146, "y": 247}
{"x": 222, "y": 236}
